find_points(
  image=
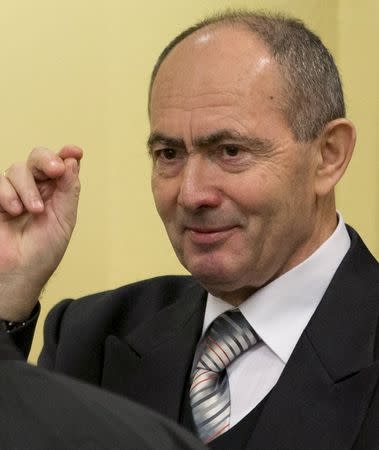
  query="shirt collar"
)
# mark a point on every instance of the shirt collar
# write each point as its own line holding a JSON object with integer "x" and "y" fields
{"x": 280, "y": 311}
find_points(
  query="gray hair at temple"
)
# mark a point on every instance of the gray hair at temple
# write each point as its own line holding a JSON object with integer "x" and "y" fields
{"x": 312, "y": 94}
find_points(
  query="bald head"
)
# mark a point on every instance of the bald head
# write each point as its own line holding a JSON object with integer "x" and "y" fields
{"x": 214, "y": 70}
{"x": 214, "y": 67}
{"x": 311, "y": 92}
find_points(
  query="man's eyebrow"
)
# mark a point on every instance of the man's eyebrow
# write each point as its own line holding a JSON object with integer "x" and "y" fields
{"x": 218, "y": 137}
{"x": 167, "y": 141}
{"x": 221, "y": 136}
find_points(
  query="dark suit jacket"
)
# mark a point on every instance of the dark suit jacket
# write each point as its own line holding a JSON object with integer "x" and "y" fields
{"x": 139, "y": 341}
{"x": 44, "y": 411}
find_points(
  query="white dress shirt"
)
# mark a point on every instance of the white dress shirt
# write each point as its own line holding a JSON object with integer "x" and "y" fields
{"x": 279, "y": 313}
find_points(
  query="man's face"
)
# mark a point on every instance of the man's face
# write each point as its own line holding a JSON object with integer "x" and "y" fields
{"x": 233, "y": 187}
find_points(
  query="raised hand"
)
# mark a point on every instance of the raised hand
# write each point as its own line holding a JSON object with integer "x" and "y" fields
{"x": 38, "y": 205}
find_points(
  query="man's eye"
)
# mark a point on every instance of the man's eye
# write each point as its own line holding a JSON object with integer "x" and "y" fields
{"x": 231, "y": 150}
{"x": 167, "y": 153}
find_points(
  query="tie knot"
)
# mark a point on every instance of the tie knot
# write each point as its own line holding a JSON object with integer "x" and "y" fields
{"x": 228, "y": 336}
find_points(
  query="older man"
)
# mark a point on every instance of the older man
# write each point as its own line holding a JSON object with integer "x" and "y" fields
{"x": 272, "y": 343}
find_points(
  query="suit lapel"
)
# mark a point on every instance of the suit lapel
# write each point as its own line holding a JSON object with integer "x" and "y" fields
{"x": 323, "y": 394}
{"x": 151, "y": 364}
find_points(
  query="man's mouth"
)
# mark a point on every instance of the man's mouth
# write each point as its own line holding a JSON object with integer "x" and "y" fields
{"x": 209, "y": 235}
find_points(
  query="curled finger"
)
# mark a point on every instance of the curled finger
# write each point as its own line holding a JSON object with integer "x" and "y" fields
{"x": 20, "y": 178}
{"x": 9, "y": 200}
{"x": 44, "y": 164}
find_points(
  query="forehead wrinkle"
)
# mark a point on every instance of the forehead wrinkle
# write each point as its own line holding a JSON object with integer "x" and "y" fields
{"x": 190, "y": 101}
{"x": 219, "y": 136}
{"x": 190, "y": 129}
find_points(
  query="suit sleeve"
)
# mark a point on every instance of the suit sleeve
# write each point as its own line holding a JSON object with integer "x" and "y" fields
{"x": 21, "y": 338}
{"x": 8, "y": 349}
{"x": 51, "y": 334}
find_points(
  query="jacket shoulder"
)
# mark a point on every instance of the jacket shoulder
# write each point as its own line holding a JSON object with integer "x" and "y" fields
{"x": 142, "y": 298}
{"x": 82, "y": 325}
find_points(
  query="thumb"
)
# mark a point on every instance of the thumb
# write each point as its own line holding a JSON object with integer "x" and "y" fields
{"x": 70, "y": 179}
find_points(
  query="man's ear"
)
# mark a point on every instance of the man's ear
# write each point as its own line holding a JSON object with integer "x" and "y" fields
{"x": 336, "y": 145}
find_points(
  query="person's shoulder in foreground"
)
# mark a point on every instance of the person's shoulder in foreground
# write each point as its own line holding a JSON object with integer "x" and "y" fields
{"x": 44, "y": 411}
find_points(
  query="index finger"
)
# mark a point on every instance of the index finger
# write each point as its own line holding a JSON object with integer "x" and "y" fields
{"x": 45, "y": 164}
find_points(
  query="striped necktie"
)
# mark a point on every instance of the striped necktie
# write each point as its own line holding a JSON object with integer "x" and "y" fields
{"x": 228, "y": 337}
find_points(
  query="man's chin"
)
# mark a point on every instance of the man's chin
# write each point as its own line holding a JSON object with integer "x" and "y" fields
{"x": 213, "y": 277}
{"x": 212, "y": 268}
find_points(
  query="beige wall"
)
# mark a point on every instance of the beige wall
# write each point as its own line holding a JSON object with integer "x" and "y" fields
{"x": 77, "y": 72}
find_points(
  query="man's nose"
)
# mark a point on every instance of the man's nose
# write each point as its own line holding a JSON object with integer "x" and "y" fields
{"x": 199, "y": 184}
